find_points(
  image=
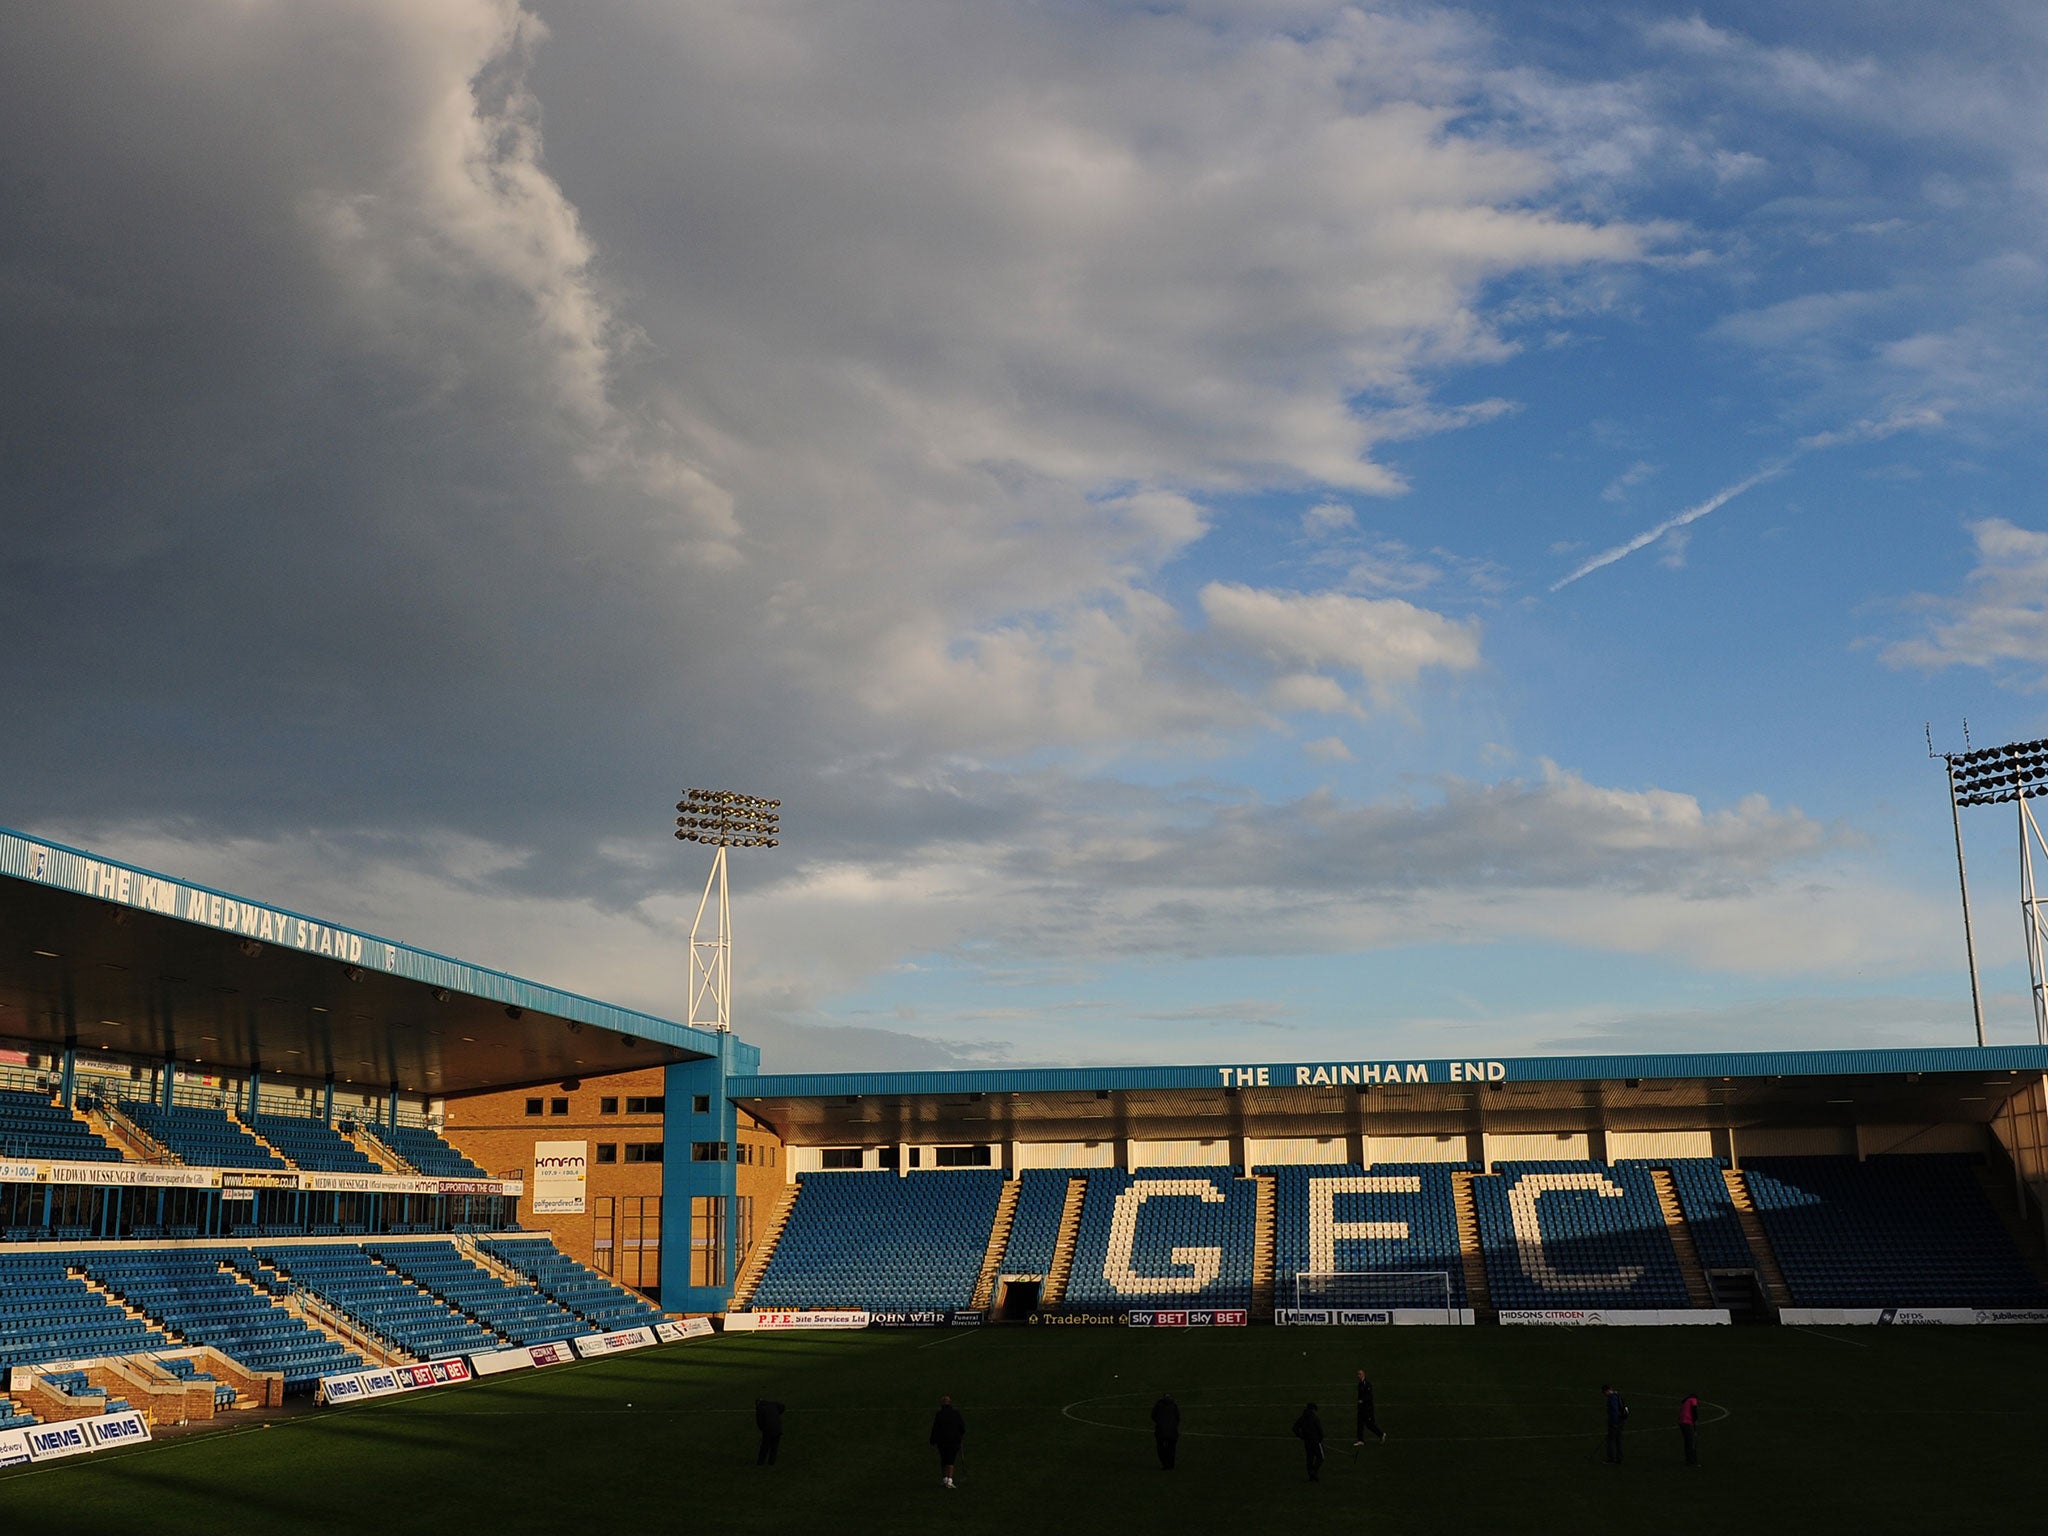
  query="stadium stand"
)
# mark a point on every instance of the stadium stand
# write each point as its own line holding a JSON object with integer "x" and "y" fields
{"x": 12, "y": 1416}
{"x": 427, "y": 1152}
{"x": 1312, "y": 1235}
{"x": 378, "y": 1300}
{"x": 874, "y": 1240}
{"x": 1709, "y": 1213}
{"x": 306, "y": 1143}
{"x": 1889, "y": 1231}
{"x": 569, "y": 1284}
{"x": 189, "y": 1293}
{"x": 1193, "y": 1219}
{"x": 522, "y": 1315}
{"x": 205, "y": 1138}
{"x": 47, "y": 1314}
{"x": 33, "y": 1125}
{"x": 1037, "y": 1225}
{"x": 1576, "y": 1235}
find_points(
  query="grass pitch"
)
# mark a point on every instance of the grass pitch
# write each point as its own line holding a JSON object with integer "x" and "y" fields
{"x": 1867, "y": 1430}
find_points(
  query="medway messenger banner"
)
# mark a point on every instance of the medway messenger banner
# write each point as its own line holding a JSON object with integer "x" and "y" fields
{"x": 559, "y": 1169}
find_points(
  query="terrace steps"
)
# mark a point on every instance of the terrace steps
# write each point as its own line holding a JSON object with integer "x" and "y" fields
{"x": 1768, "y": 1274}
{"x": 1471, "y": 1251}
{"x": 998, "y": 1240}
{"x": 1062, "y": 1270}
{"x": 756, "y": 1263}
{"x": 241, "y": 1123}
{"x": 1265, "y": 1243}
{"x": 129, "y": 1139}
{"x": 1699, "y": 1291}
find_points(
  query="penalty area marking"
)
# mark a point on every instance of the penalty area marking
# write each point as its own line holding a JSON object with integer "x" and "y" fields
{"x": 1720, "y": 1411}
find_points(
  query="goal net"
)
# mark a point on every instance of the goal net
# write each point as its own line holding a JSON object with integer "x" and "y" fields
{"x": 1384, "y": 1290}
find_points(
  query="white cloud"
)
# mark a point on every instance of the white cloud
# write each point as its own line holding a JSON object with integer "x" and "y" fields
{"x": 1326, "y": 518}
{"x": 1327, "y": 749}
{"x": 1999, "y": 621}
{"x": 1386, "y": 642}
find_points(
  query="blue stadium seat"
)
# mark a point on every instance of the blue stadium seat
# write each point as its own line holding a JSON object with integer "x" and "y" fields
{"x": 885, "y": 1243}
{"x": 1576, "y": 1236}
{"x": 33, "y": 1125}
{"x": 192, "y": 1293}
{"x": 204, "y": 1138}
{"x": 1035, "y": 1226}
{"x": 605, "y": 1306}
{"x": 1164, "y": 1237}
{"x": 1310, "y": 1234}
{"x": 1887, "y": 1232}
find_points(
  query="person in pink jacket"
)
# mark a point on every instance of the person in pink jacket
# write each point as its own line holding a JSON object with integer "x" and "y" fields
{"x": 1689, "y": 1428}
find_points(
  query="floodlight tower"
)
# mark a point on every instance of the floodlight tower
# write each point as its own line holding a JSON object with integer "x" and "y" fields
{"x": 723, "y": 820}
{"x": 2015, "y": 773}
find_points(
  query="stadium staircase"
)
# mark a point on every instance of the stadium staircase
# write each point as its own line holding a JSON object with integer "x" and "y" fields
{"x": 338, "y": 1326}
{"x": 386, "y": 1160}
{"x": 134, "y": 1143}
{"x": 998, "y": 1241}
{"x": 1699, "y": 1291}
{"x": 1471, "y": 1251}
{"x": 1264, "y": 1243}
{"x": 1776, "y": 1292}
{"x": 1062, "y": 1271}
{"x": 756, "y": 1263}
{"x": 243, "y": 1124}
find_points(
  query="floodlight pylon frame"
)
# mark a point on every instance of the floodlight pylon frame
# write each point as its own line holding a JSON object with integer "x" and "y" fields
{"x": 2017, "y": 772}
{"x": 711, "y": 955}
{"x": 2034, "y": 925}
{"x": 722, "y": 820}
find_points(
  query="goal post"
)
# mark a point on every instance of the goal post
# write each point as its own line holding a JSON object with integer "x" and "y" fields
{"x": 1380, "y": 1290}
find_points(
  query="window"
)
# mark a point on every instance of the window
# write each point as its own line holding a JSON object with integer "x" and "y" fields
{"x": 700, "y": 1104}
{"x": 533, "y": 1106}
{"x": 608, "y": 1106}
{"x": 651, "y": 1105}
{"x": 607, "y": 1151}
{"x": 643, "y": 1151}
{"x": 964, "y": 1157}
{"x": 558, "y": 1106}
{"x": 842, "y": 1157}
{"x": 707, "y": 1152}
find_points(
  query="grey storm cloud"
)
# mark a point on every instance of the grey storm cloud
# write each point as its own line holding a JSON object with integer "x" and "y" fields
{"x": 452, "y": 426}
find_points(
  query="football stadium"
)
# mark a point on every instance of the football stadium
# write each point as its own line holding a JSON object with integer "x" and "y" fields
{"x": 446, "y": 1241}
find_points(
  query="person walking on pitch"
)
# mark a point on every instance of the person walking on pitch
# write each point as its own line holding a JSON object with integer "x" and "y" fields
{"x": 768, "y": 1419}
{"x": 1308, "y": 1429}
{"x": 1366, "y": 1420}
{"x": 1617, "y": 1415}
{"x": 949, "y": 1429}
{"x": 1166, "y": 1430}
{"x": 1689, "y": 1428}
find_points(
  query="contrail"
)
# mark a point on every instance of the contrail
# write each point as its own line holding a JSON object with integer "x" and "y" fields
{"x": 1690, "y": 515}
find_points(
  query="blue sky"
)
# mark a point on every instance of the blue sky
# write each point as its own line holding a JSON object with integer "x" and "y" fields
{"x": 1136, "y": 481}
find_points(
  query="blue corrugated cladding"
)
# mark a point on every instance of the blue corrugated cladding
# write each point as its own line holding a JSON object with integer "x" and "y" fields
{"x": 1526, "y": 1069}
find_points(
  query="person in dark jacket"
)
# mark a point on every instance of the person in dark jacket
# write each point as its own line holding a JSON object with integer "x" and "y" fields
{"x": 1617, "y": 1415}
{"x": 1689, "y": 1427}
{"x": 949, "y": 1429}
{"x": 1366, "y": 1421}
{"x": 1308, "y": 1429}
{"x": 1166, "y": 1430}
{"x": 768, "y": 1420}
